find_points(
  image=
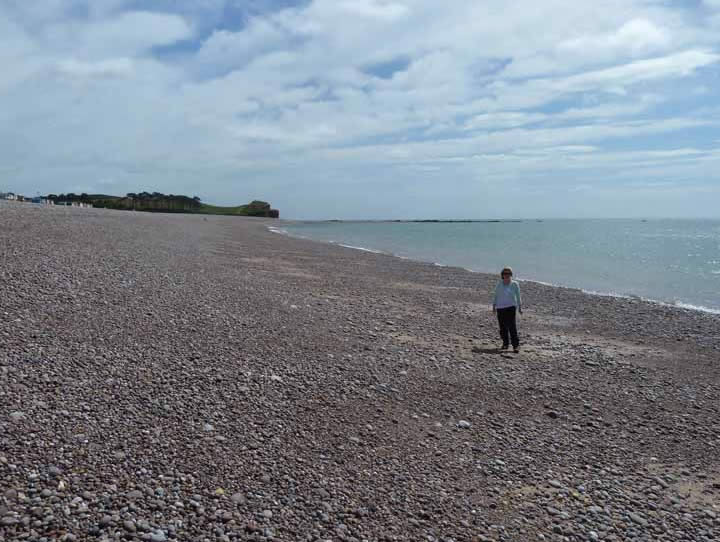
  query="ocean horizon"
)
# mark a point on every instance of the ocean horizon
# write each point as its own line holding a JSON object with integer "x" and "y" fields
{"x": 671, "y": 261}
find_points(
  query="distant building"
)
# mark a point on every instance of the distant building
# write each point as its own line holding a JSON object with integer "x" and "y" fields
{"x": 73, "y": 204}
{"x": 8, "y": 196}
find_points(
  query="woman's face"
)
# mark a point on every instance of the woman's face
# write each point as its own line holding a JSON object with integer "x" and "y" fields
{"x": 506, "y": 278}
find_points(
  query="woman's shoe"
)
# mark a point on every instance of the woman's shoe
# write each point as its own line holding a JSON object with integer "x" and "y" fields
{"x": 516, "y": 349}
{"x": 505, "y": 347}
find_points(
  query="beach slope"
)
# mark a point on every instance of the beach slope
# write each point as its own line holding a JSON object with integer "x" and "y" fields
{"x": 202, "y": 378}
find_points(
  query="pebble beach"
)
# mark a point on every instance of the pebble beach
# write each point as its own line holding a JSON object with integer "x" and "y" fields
{"x": 201, "y": 378}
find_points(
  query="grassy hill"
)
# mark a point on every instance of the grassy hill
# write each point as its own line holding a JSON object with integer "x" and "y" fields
{"x": 162, "y": 203}
{"x": 255, "y": 208}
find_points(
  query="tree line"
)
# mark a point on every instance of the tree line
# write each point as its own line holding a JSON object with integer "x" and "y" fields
{"x": 165, "y": 203}
{"x": 141, "y": 201}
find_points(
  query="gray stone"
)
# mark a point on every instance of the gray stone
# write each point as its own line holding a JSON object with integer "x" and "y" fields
{"x": 238, "y": 498}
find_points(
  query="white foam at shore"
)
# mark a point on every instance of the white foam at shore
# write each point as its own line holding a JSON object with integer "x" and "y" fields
{"x": 688, "y": 306}
{"x": 278, "y": 230}
{"x": 282, "y": 231}
{"x": 608, "y": 294}
{"x": 676, "y": 304}
{"x": 358, "y": 248}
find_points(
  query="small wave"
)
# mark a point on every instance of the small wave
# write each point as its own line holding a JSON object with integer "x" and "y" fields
{"x": 608, "y": 294}
{"x": 539, "y": 282}
{"x": 715, "y": 272}
{"x": 281, "y": 231}
{"x": 676, "y": 304}
{"x": 691, "y": 307}
{"x": 583, "y": 290}
{"x": 295, "y": 235}
{"x": 359, "y": 248}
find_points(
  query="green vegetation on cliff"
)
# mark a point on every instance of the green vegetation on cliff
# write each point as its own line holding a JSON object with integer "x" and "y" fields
{"x": 170, "y": 203}
{"x": 254, "y": 208}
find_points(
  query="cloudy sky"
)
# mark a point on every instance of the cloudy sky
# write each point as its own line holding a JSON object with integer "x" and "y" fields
{"x": 369, "y": 108}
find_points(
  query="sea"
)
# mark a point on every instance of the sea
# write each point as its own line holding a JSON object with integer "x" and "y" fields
{"x": 672, "y": 261}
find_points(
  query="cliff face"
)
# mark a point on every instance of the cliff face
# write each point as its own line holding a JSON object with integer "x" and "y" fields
{"x": 261, "y": 208}
{"x": 158, "y": 202}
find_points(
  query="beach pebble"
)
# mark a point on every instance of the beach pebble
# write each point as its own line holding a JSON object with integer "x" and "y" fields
{"x": 156, "y": 387}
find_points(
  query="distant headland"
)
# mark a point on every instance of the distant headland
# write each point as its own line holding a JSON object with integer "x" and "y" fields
{"x": 157, "y": 202}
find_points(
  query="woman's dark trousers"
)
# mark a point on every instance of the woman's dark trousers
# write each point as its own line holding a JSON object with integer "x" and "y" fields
{"x": 506, "y": 319}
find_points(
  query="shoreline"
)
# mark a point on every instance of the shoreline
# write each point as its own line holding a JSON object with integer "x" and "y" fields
{"x": 175, "y": 377}
{"x": 677, "y": 304}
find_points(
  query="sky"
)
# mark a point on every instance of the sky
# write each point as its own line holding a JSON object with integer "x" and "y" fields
{"x": 369, "y": 108}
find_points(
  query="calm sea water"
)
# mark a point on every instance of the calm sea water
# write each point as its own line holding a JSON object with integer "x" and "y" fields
{"x": 672, "y": 261}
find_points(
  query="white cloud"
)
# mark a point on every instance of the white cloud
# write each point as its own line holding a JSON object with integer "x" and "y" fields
{"x": 128, "y": 34}
{"x": 511, "y": 119}
{"x": 224, "y": 51}
{"x": 679, "y": 64}
{"x": 340, "y": 91}
{"x": 17, "y": 54}
{"x": 117, "y": 67}
{"x": 136, "y": 31}
{"x": 638, "y": 36}
{"x": 503, "y": 119}
{"x": 375, "y": 9}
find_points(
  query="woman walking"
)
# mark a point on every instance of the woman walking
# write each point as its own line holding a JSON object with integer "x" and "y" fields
{"x": 507, "y": 300}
